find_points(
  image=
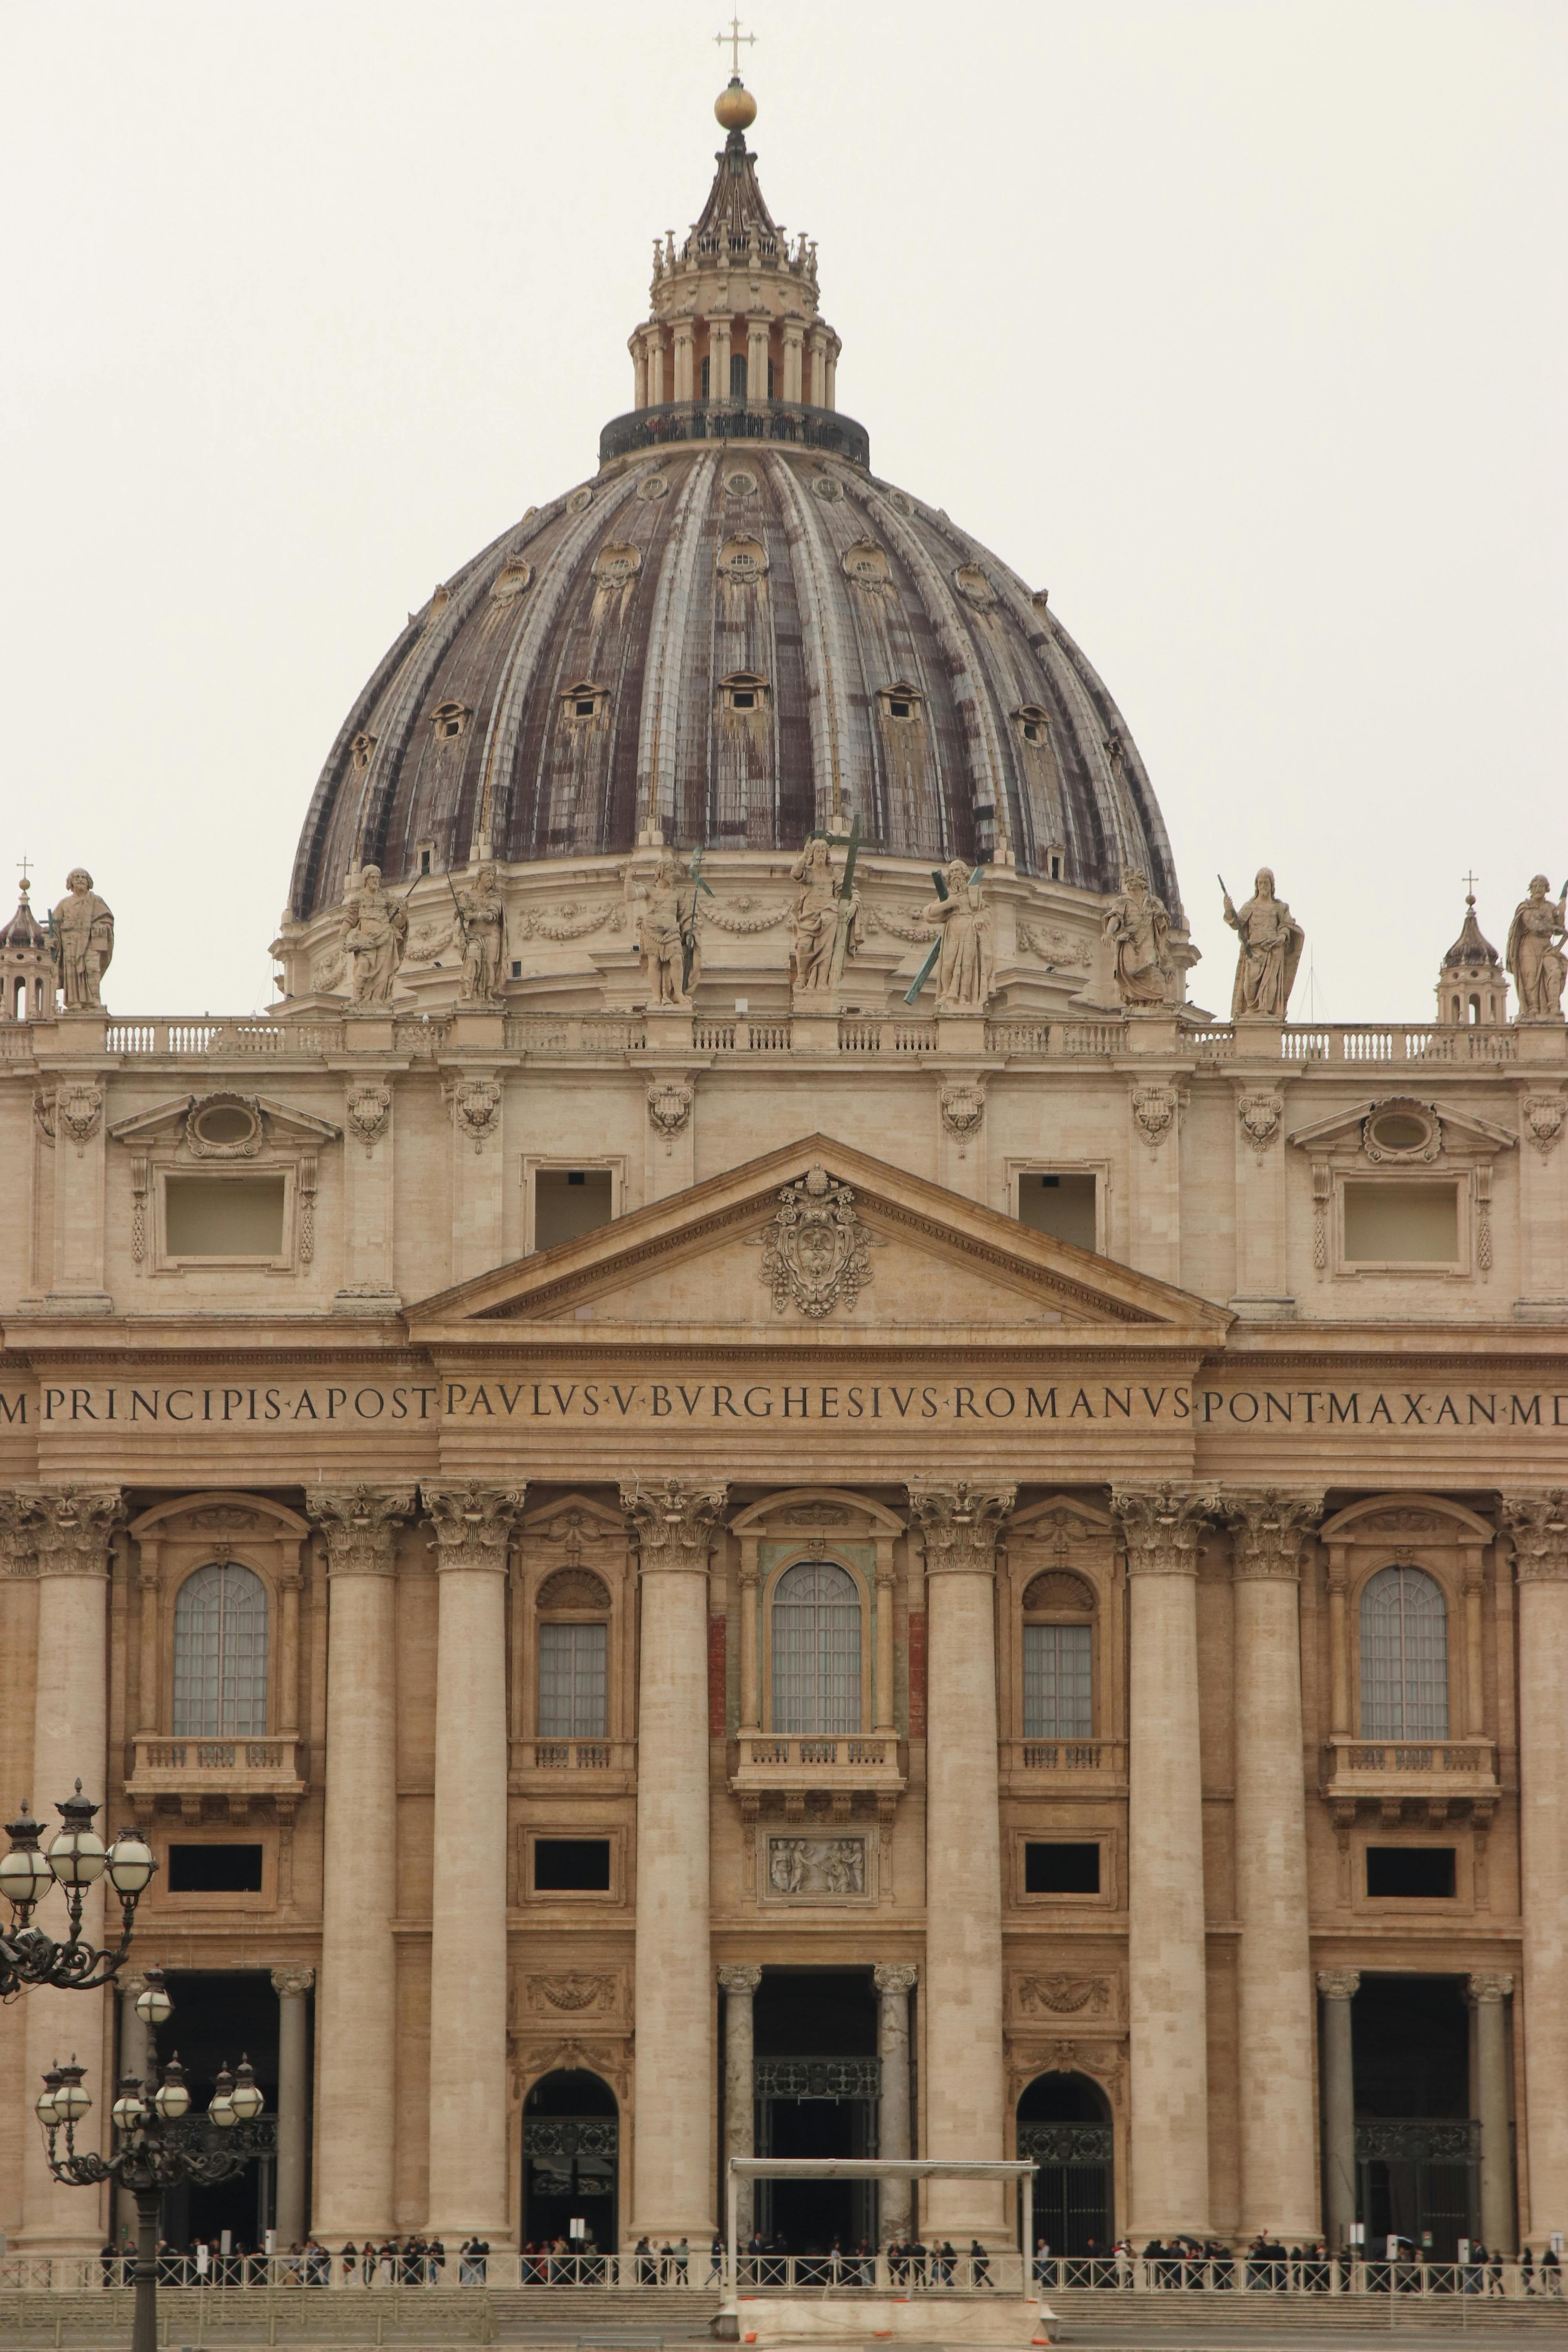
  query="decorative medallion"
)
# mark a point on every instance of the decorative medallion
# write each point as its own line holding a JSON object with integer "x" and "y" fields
{"x": 815, "y": 1251}
{"x": 574, "y": 1992}
{"x": 653, "y": 487}
{"x": 579, "y": 499}
{"x": 367, "y": 1107}
{"x": 743, "y": 559}
{"x": 1543, "y": 1116}
{"x": 510, "y": 581}
{"x": 1154, "y": 1113}
{"x": 974, "y": 586}
{"x": 741, "y": 484}
{"x": 670, "y": 1105}
{"x": 1260, "y": 1115}
{"x": 866, "y": 566}
{"x": 617, "y": 563}
{"x": 826, "y": 487}
{"x": 899, "y": 503}
{"x": 224, "y": 1127}
{"x": 963, "y": 1108}
{"x": 1063, "y": 1996}
{"x": 79, "y": 1109}
{"x": 476, "y": 1109}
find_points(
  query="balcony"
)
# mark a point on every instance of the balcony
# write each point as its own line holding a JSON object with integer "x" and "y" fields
{"x": 225, "y": 1776}
{"x": 1431, "y": 1780}
{"x": 792, "y": 1769}
{"x": 585, "y": 1767}
{"x": 1064, "y": 1768}
{"x": 735, "y": 420}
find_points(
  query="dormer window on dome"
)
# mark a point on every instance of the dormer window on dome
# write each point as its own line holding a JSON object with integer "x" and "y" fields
{"x": 905, "y": 704}
{"x": 743, "y": 691}
{"x": 1033, "y": 723}
{"x": 584, "y": 703}
{"x": 450, "y": 720}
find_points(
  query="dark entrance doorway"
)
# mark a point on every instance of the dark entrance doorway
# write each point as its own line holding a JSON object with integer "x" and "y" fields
{"x": 1417, "y": 2149}
{"x": 817, "y": 2083}
{"x": 571, "y": 2151}
{"x": 1064, "y": 2123}
{"x": 220, "y": 2018}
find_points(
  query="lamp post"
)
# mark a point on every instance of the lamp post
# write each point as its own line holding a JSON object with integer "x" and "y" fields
{"x": 76, "y": 1858}
{"x": 162, "y": 2144}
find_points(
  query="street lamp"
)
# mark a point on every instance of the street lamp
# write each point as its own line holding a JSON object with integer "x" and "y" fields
{"x": 161, "y": 2144}
{"x": 77, "y": 1858}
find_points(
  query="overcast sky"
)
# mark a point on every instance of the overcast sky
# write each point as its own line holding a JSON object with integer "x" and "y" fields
{"x": 1239, "y": 326}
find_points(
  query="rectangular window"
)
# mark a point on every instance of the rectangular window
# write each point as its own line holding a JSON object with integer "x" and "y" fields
{"x": 1053, "y": 1869}
{"x": 1062, "y": 1205}
{"x": 1422, "y": 1872}
{"x": 568, "y": 1201}
{"x": 215, "y": 1870}
{"x": 1058, "y": 1685}
{"x": 224, "y": 1216}
{"x": 1396, "y": 1224}
{"x": 572, "y": 1865}
{"x": 571, "y": 1681}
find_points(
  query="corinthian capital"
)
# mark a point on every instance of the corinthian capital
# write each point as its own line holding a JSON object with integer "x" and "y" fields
{"x": 1339, "y": 1984}
{"x": 739, "y": 1979}
{"x": 19, "y": 1536}
{"x": 1163, "y": 1527}
{"x": 360, "y": 1525}
{"x": 473, "y": 1524}
{"x": 895, "y": 1977}
{"x": 1267, "y": 1528}
{"x": 67, "y": 1529}
{"x": 1490, "y": 1986}
{"x": 674, "y": 1521}
{"x": 1539, "y": 1527}
{"x": 959, "y": 1524}
{"x": 292, "y": 1983}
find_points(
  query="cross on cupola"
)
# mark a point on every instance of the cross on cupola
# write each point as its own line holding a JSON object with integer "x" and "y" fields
{"x": 735, "y": 37}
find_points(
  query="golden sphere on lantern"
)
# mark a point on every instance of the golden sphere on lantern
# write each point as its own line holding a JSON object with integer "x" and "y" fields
{"x": 735, "y": 106}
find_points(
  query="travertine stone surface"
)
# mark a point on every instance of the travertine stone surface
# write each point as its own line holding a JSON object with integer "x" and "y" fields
{"x": 1539, "y": 1527}
{"x": 894, "y": 1984}
{"x": 291, "y": 1986}
{"x": 1279, "y": 2172}
{"x": 739, "y": 1985}
{"x": 1339, "y": 1988}
{"x": 1167, "y": 1960}
{"x": 1489, "y": 1993}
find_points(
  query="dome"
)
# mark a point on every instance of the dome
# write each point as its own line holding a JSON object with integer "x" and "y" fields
{"x": 734, "y": 635}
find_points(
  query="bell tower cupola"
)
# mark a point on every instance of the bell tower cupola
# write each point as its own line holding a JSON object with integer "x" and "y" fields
{"x": 27, "y": 972}
{"x": 1472, "y": 987}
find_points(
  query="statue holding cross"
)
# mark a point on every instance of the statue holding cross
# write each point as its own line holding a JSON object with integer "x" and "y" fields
{"x": 827, "y": 914}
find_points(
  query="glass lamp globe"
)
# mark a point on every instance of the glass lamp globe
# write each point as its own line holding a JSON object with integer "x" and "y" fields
{"x": 129, "y": 2108}
{"x": 246, "y": 2098}
{"x": 44, "y": 2104}
{"x": 71, "y": 2100}
{"x": 24, "y": 1872}
{"x": 77, "y": 1855}
{"x": 172, "y": 2098}
{"x": 220, "y": 2106}
{"x": 130, "y": 1863}
{"x": 153, "y": 2002}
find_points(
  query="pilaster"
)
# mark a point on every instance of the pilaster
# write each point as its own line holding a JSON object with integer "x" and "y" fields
{"x": 478, "y": 1169}
{"x": 1538, "y": 1525}
{"x": 369, "y": 1196}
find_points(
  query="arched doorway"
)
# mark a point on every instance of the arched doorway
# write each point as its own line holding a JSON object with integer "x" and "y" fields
{"x": 1064, "y": 2123}
{"x": 571, "y": 2157}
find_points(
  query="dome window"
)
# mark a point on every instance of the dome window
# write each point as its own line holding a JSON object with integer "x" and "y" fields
{"x": 584, "y": 704}
{"x": 743, "y": 691}
{"x": 362, "y": 751}
{"x": 450, "y": 721}
{"x": 1033, "y": 723}
{"x": 906, "y": 703}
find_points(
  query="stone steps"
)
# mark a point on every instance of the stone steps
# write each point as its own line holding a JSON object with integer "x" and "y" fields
{"x": 1130, "y": 2314}
{"x": 360, "y": 2316}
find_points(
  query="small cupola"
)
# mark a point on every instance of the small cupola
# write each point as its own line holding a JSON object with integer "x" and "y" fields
{"x": 27, "y": 970}
{"x": 1472, "y": 987}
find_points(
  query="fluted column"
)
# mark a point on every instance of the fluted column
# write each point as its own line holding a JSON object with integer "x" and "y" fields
{"x": 682, "y": 389}
{"x": 1539, "y": 1526}
{"x": 964, "y": 2098}
{"x": 894, "y": 1985}
{"x": 757, "y": 360}
{"x": 357, "y": 2010}
{"x": 638, "y": 346}
{"x": 1166, "y": 1954}
{"x": 291, "y": 1985}
{"x": 740, "y": 1985}
{"x": 1279, "y": 2189}
{"x": 672, "y": 2189}
{"x": 1489, "y": 1992}
{"x": 468, "y": 2116}
{"x": 794, "y": 333}
{"x": 718, "y": 358}
{"x": 1339, "y": 1988}
{"x": 71, "y": 1531}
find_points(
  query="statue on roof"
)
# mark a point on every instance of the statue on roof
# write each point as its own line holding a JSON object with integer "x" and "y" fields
{"x": 482, "y": 917}
{"x": 1271, "y": 943}
{"x": 375, "y": 933}
{"x": 82, "y": 942}
{"x": 966, "y": 963}
{"x": 1533, "y": 956}
{"x": 1139, "y": 930}
{"x": 826, "y": 923}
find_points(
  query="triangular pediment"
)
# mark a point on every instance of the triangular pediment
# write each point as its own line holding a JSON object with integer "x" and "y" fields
{"x": 815, "y": 1237}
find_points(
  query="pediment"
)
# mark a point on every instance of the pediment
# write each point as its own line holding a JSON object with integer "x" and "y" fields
{"x": 817, "y": 1236}
{"x": 224, "y": 1125}
{"x": 1436, "y": 1129}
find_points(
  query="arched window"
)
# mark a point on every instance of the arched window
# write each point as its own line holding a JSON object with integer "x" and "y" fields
{"x": 1403, "y": 1656}
{"x": 220, "y": 1653}
{"x": 816, "y": 1649}
{"x": 1059, "y": 1660}
{"x": 574, "y": 1658}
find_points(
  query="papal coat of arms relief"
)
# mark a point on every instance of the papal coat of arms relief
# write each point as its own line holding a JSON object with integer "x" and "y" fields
{"x": 815, "y": 1251}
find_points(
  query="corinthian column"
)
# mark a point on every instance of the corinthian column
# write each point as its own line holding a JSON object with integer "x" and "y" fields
{"x": 291, "y": 1985}
{"x": 1539, "y": 1526}
{"x": 69, "y": 1530}
{"x": 1278, "y": 2160}
{"x": 468, "y": 2114}
{"x": 963, "y": 2097}
{"x": 356, "y": 2033}
{"x": 1489, "y": 1992}
{"x": 740, "y": 1989}
{"x": 894, "y": 1986}
{"x": 1339, "y": 1988}
{"x": 1166, "y": 1958}
{"x": 672, "y": 2185}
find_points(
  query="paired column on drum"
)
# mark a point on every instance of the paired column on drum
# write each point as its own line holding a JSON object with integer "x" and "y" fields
{"x": 357, "y": 2008}
{"x": 1339, "y": 1988}
{"x": 963, "y": 2100}
{"x": 469, "y": 2119}
{"x": 1488, "y": 1994}
{"x": 894, "y": 1985}
{"x": 672, "y": 2191}
{"x": 291, "y": 1985}
{"x": 1539, "y": 1527}
{"x": 1276, "y": 2063}
{"x": 739, "y": 1987}
{"x": 1167, "y": 1957}
{"x": 62, "y": 1536}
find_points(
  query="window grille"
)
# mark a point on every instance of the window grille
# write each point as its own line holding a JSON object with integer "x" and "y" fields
{"x": 573, "y": 1682}
{"x": 1059, "y": 1682}
{"x": 220, "y": 1653}
{"x": 1403, "y": 1656}
{"x": 816, "y": 1650}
